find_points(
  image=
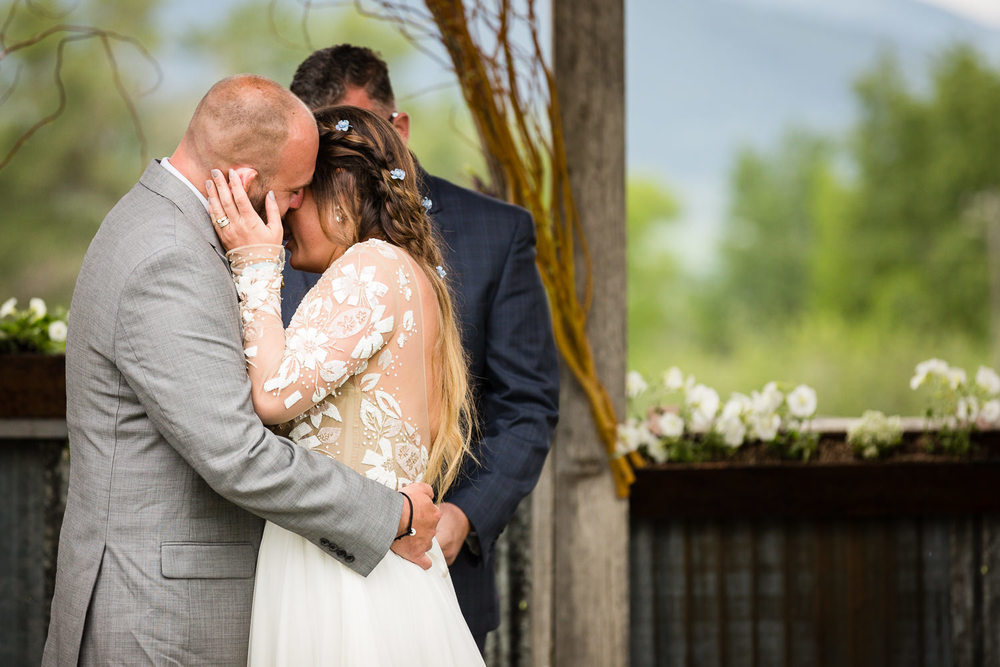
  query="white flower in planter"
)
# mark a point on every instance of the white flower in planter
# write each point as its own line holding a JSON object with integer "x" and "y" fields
{"x": 764, "y": 427}
{"x": 926, "y": 368}
{"x": 956, "y": 377}
{"x": 634, "y": 384}
{"x": 802, "y": 401}
{"x": 8, "y": 307}
{"x": 967, "y": 409}
{"x": 37, "y": 308}
{"x": 732, "y": 429}
{"x": 57, "y": 331}
{"x": 628, "y": 437}
{"x": 737, "y": 406}
{"x": 704, "y": 403}
{"x": 673, "y": 379}
{"x": 657, "y": 450}
{"x": 990, "y": 412}
{"x": 768, "y": 399}
{"x": 671, "y": 425}
{"x": 988, "y": 380}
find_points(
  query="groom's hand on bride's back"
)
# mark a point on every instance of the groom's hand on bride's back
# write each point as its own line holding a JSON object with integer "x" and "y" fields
{"x": 414, "y": 547}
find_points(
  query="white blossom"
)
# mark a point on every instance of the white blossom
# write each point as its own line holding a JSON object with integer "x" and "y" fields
{"x": 737, "y": 406}
{"x": 990, "y": 412}
{"x": 673, "y": 379}
{"x": 8, "y": 307}
{"x": 634, "y": 384}
{"x": 704, "y": 404}
{"x": 658, "y": 451}
{"x": 628, "y": 437}
{"x": 956, "y": 377}
{"x": 988, "y": 380}
{"x": 37, "y": 308}
{"x": 732, "y": 429}
{"x": 967, "y": 409}
{"x": 671, "y": 425}
{"x": 802, "y": 401}
{"x": 927, "y": 368}
{"x": 764, "y": 427}
{"x": 57, "y": 331}
{"x": 768, "y": 399}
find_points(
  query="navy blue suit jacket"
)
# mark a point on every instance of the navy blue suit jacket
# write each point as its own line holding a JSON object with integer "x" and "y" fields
{"x": 489, "y": 249}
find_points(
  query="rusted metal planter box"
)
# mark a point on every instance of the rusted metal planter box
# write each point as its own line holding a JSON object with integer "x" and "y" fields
{"x": 32, "y": 386}
{"x": 844, "y": 564}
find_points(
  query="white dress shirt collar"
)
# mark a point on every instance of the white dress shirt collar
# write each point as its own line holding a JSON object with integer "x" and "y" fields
{"x": 165, "y": 163}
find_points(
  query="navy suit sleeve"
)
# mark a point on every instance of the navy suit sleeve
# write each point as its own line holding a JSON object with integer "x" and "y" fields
{"x": 294, "y": 287}
{"x": 518, "y": 395}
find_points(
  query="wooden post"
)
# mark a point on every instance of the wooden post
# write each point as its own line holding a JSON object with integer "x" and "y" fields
{"x": 580, "y": 527}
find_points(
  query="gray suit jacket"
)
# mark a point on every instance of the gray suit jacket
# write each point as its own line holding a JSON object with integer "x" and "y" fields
{"x": 170, "y": 469}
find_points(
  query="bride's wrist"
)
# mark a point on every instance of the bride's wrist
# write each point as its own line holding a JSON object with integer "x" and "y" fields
{"x": 250, "y": 256}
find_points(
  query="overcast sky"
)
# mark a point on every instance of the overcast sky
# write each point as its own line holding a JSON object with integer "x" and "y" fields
{"x": 986, "y": 11}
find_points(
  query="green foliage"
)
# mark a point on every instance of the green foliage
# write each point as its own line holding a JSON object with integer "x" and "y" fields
{"x": 32, "y": 330}
{"x": 652, "y": 271}
{"x": 917, "y": 259}
{"x": 767, "y": 249}
{"x": 846, "y": 259}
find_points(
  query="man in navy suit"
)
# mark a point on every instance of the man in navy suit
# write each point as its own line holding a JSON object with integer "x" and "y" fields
{"x": 489, "y": 249}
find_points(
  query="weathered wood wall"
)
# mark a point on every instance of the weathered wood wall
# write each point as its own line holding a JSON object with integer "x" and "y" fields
{"x": 32, "y": 493}
{"x": 904, "y": 591}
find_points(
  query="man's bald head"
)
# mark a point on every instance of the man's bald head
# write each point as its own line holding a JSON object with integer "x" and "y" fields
{"x": 243, "y": 120}
{"x": 257, "y": 127}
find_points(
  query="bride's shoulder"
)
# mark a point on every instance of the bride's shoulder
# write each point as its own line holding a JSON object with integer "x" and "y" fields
{"x": 375, "y": 250}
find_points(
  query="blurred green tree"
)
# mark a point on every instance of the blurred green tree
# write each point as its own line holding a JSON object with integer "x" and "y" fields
{"x": 58, "y": 184}
{"x": 768, "y": 247}
{"x": 653, "y": 299}
{"x": 921, "y": 160}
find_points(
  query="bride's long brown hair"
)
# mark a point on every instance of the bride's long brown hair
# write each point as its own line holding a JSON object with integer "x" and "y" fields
{"x": 355, "y": 179}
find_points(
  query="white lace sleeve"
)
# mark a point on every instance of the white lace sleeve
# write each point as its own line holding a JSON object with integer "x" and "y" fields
{"x": 343, "y": 321}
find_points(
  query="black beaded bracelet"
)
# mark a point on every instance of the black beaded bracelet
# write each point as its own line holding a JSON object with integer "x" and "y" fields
{"x": 409, "y": 524}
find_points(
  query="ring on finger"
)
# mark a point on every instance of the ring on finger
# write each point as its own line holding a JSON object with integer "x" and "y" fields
{"x": 222, "y": 222}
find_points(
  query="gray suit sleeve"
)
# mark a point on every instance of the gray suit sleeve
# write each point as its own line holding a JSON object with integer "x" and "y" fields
{"x": 179, "y": 351}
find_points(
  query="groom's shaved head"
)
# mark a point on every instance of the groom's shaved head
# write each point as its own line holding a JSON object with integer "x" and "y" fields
{"x": 243, "y": 120}
{"x": 260, "y": 129}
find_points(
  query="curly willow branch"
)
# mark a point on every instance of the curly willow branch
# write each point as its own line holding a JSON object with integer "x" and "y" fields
{"x": 526, "y": 156}
{"x": 66, "y": 34}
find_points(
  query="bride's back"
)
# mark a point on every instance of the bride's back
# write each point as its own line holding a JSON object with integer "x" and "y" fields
{"x": 375, "y": 312}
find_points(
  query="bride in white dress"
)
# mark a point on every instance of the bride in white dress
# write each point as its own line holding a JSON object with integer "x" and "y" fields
{"x": 370, "y": 372}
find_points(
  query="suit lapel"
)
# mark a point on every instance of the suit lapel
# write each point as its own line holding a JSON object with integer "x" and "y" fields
{"x": 162, "y": 182}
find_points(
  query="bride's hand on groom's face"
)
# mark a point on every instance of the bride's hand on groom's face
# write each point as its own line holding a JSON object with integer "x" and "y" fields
{"x": 235, "y": 220}
{"x": 425, "y": 520}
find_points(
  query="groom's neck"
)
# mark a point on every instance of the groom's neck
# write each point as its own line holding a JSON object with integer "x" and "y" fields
{"x": 190, "y": 168}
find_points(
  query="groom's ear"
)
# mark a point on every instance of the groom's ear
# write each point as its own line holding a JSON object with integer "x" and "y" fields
{"x": 246, "y": 175}
{"x": 402, "y": 124}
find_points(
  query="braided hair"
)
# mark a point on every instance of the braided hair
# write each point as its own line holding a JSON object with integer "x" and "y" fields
{"x": 366, "y": 180}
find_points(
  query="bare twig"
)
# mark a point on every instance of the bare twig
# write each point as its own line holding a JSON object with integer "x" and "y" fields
{"x": 68, "y": 33}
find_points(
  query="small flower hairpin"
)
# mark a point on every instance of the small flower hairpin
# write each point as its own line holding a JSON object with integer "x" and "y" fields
{"x": 441, "y": 271}
{"x": 397, "y": 174}
{"x": 343, "y": 125}
{"x": 427, "y": 203}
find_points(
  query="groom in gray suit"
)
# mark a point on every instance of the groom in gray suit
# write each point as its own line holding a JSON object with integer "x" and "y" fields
{"x": 170, "y": 469}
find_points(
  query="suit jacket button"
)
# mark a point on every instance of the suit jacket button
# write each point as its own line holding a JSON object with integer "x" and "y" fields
{"x": 349, "y": 558}
{"x": 341, "y": 553}
{"x": 325, "y": 542}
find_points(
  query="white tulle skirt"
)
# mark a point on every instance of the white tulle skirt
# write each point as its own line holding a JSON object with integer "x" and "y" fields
{"x": 310, "y": 609}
